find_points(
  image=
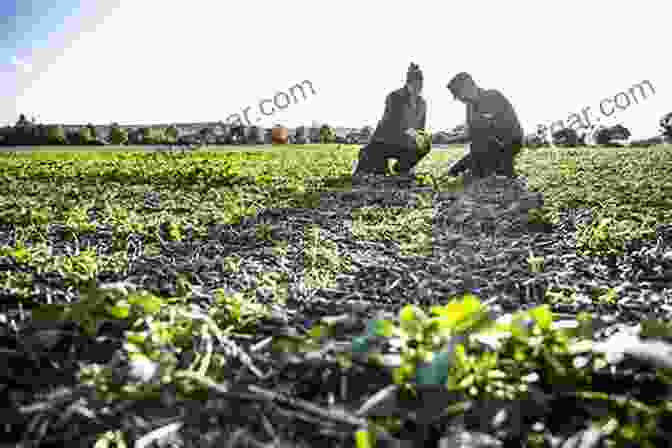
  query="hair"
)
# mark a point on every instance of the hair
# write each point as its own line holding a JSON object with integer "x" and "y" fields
{"x": 459, "y": 79}
{"x": 414, "y": 73}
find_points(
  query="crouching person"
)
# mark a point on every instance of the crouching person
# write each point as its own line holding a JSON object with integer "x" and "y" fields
{"x": 493, "y": 130}
{"x": 396, "y": 135}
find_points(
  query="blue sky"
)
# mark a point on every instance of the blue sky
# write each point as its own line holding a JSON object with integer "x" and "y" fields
{"x": 151, "y": 61}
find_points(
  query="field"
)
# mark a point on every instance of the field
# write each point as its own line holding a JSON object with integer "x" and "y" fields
{"x": 249, "y": 297}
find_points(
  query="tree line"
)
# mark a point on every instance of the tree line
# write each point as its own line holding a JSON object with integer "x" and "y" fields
{"x": 30, "y": 133}
{"x": 613, "y": 136}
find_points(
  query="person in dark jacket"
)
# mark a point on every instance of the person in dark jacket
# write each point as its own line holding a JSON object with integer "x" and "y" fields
{"x": 395, "y": 135}
{"x": 493, "y": 129}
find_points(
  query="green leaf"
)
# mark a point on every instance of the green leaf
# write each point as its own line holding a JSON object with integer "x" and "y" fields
{"x": 149, "y": 303}
{"x": 380, "y": 328}
{"x": 410, "y": 313}
{"x": 360, "y": 344}
{"x": 542, "y": 316}
{"x": 460, "y": 354}
{"x": 411, "y": 319}
{"x": 467, "y": 311}
{"x": 135, "y": 338}
{"x": 364, "y": 439}
{"x": 318, "y": 332}
{"x": 406, "y": 370}
{"x": 436, "y": 371}
{"x": 119, "y": 311}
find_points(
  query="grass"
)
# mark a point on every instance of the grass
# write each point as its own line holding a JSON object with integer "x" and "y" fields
{"x": 629, "y": 185}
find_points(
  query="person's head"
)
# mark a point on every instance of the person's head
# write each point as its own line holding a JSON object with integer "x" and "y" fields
{"x": 463, "y": 87}
{"x": 414, "y": 79}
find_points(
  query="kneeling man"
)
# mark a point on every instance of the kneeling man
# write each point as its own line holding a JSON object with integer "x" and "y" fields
{"x": 493, "y": 129}
{"x": 395, "y": 135}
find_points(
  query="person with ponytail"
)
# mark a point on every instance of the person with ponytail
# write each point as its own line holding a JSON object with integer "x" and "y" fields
{"x": 396, "y": 136}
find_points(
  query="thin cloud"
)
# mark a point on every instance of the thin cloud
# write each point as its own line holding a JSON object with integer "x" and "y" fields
{"x": 24, "y": 66}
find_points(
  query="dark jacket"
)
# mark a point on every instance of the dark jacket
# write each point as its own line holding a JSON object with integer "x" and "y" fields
{"x": 504, "y": 123}
{"x": 399, "y": 116}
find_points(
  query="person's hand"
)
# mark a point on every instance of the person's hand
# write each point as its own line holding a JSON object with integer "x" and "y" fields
{"x": 411, "y": 133}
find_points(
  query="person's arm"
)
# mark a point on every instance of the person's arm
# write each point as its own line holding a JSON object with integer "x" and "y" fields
{"x": 463, "y": 138}
{"x": 423, "y": 116}
{"x": 467, "y": 135}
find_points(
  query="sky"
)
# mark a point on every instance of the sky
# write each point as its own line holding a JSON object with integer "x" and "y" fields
{"x": 151, "y": 61}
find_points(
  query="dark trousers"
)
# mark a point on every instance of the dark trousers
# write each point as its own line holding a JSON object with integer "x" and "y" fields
{"x": 487, "y": 158}
{"x": 374, "y": 156}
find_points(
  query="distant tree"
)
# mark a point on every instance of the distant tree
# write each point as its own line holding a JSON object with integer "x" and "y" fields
{"x": 587, "y": 136}
{"x": 55, "y": 135}
{"x": 566, "y": 138}
{"x": 612, "y": 136}
{"x": 8, "y": 135}
{"x": 23, "y": 132}
{"x": 366, "y": 132}
{"x": 239, "y": 134}
{"x": 39, "y": 134}
{"x": 226, "y": 136}
{"x": 4, "y": 134}
{"x": 537, "y": 140}
{"x": 533, "y": 141}
{"x": 256, "y": 135}
{"x": 71, "y": 137}
{"x": 146, "y": 136}
{"x": 92, "y": 131}
{"x": 159, "y": 136}
{"x": 601, "y": 136}
{"x": 648, "y": 142}
{"x": 78, "y": 137}
{"x": 315, "y": 132}
{"x": 172, "y": 133}
{"x": 207, "y": 135}
{"x": 268, "y": 135}
{"x": 327, "y": 134}
{"x": 134, "y": 136}
{"x": 85, "y": 136}
{"x": 22, "y": 121}
{"x": 301, "y": 135}
{"x": 118, "y": 136}
{"x": 620, "y": 132}
{"x": 666, "y": 126}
